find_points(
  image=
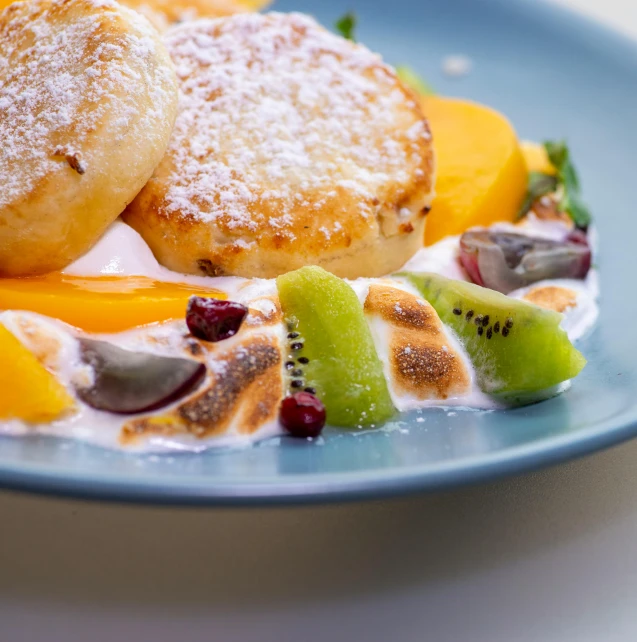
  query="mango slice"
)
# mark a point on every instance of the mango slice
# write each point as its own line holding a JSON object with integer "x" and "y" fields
{"x": 481, "y": 172}
{"x": 101, "y": 304}
{"x": 255, "y": 5}
{"x": 29, "y": 391}
{"x": 536, "y": 158}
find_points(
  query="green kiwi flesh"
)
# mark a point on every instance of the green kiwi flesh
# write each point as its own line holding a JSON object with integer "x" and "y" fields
{"x": 334, "y": 348}
{"x": 516, "y": 348}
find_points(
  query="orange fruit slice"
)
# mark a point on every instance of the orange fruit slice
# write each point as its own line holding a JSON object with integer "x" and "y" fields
{"x": 536, "y": 158}
{"x": 29, "y": 391}
{"x": 481, "y": 171}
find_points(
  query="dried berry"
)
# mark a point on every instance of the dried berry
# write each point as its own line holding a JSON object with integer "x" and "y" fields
{"x": 214, "y": 320}
{"x": 302, "y": 415}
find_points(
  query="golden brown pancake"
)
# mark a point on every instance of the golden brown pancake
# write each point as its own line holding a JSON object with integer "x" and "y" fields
{"x": 292, "y": 147}
{"x": 88, "y": 98}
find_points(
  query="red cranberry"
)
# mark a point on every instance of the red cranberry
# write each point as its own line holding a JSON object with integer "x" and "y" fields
{"x": 214, "y": 320}
{"x": 302, "y": 415}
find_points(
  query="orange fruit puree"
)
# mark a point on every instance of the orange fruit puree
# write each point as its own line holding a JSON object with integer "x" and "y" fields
{"x": 100, "y": 304}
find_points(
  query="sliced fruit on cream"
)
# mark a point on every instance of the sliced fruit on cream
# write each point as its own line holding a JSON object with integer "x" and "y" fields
{"x": 516, "y": 348}
{"x": 127, "y": 382}
{"x": 29, "y": 391}
{"x": 101, "y": 304}
{"x": 481, "y": 174}
{"x": 506, "y": 261}
{"x": 241, "y": 395}
{"x": 421, "y": 360}
{"x": 331, "y": 348}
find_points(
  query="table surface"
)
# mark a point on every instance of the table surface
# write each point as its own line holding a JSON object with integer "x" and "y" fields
{"x": 547, "y": 556}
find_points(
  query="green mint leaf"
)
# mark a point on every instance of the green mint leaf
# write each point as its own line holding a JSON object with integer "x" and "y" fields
{"x": 539, "y": 185}
{"x": 572, "y": 202}
{"x": 346, "y": 26}
{"x": 557, "y": 152}
{"x": 414, "y": 80}
{"x": 570, "y": 177}
{"x": 578, "y": 211}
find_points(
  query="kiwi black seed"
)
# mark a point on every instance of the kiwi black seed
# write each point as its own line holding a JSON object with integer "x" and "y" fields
{"x": 496, "y": 327}
{"x": 297, "y": 373}
{"x": 297, "y": 384}
{"x": 485, "y": 321}
{"x": 289, "y": 365}
{"x": 297, "y": 346}
{"x": 312, "y": 391}
{"x": 469, "y": 315}
{"x": 505, "y": 331}
{"x": 478, "y": 320}
{"x": 303, "y": 360}
{"x": 293, "y": 335}
{"x": 489, "y": 333}
{"x": 509, "y": 323}
{"x": 480, "y": 331}
{"x": 457, "y": 311}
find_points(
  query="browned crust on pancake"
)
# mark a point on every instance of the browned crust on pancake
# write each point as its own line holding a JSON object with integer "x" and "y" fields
{"x": 369, "y": 234}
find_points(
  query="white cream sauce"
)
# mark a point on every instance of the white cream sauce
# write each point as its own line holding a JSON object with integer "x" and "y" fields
{"x": 123, "y": 252}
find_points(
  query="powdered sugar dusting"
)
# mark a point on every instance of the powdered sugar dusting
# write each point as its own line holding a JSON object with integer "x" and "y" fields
{"x": 66, "y": 67}
{"x": 274, "y": 107}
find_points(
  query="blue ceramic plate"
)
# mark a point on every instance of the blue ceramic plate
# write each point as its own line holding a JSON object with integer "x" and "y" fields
{"x": 554, "y": 75}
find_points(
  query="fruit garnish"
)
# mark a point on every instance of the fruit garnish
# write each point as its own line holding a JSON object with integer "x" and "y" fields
{"x": 505, "y": 261}
{"x": 539, "y": 185}
{"x": 100, "y": 304}
{"x": 536, "y": 158}
{"x": 334, "y": 348}
{"x": 29, "y": 391}
{"x": 214, "y": 320}
{"x": 516, "y": 348}
{"x": 568, "y": 180}
{"x": 128, "y": 382}
{"x": 563, "y": 180}
{"x": 346, "y": 26}
{"x": 302, "y": 415}
{"x": 481, "y": 173}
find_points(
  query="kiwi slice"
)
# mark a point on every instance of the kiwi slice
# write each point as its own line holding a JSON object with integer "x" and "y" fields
{"x": 331, "y": 348}
{"x": 517, "y": 349}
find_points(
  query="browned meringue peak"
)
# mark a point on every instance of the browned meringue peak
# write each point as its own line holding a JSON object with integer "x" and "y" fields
{"x": 422, "y": 361}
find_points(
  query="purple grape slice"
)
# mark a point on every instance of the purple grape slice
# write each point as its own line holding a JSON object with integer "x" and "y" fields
{"x": 505, "y": 261}
{"x": 129, "y": 382}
